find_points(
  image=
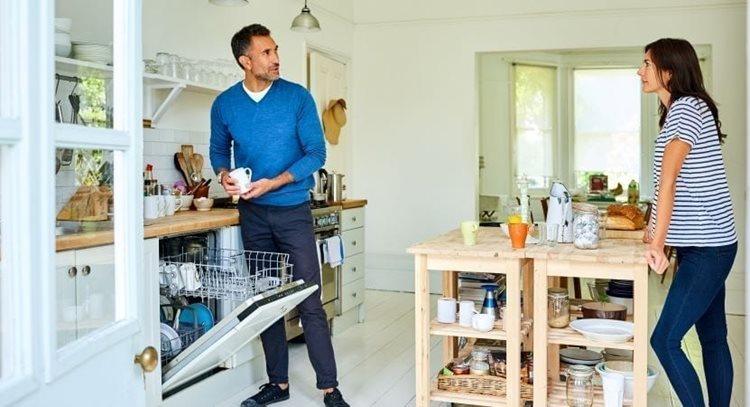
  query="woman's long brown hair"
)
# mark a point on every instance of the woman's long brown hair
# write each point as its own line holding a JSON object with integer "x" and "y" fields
{"x": 678, "y": 57}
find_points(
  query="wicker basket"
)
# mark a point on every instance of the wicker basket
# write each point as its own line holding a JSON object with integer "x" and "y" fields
{"x": 480, "y": 384}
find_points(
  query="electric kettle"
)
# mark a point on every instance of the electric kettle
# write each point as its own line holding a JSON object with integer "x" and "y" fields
{"x": 321, "y": 181}
{"x": 560, "y": 211}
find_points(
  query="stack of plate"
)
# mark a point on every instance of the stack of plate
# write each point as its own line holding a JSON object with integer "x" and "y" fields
{"x": 620, "y": 288}
{"x": 579, "y": 356}
{"x": 62, "y": 36}
{"x": 87, "y": 51}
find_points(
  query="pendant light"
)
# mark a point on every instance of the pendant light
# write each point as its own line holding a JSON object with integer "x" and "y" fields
{"x": 305, "y": 22}
{"x": 229, "y": 3}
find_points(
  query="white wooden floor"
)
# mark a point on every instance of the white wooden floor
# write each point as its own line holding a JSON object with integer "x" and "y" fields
{"x": 376, "y": 359}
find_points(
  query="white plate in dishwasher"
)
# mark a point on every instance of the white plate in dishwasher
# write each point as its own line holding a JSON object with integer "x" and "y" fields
{"x": 233, "y": 332}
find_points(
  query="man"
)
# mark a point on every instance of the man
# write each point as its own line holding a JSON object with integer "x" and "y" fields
{"x": 272, "y": 127}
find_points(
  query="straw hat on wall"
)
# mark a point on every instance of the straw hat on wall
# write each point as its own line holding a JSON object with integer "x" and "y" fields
{"x": 334, "y": 118}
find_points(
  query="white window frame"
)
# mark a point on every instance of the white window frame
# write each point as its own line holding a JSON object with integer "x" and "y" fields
{"x": 18, "y": 376}
{"x": 566, "y": 61}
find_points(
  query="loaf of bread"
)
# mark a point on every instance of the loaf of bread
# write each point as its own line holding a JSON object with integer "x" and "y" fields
{"x": 624, "y": 217}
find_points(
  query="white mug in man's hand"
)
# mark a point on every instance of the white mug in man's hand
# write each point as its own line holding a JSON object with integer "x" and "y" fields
{"x": 242, "y": 177}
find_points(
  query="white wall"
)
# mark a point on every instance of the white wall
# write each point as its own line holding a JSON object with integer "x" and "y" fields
{"x": 416, "y": 91}
{"x": 201, "y": 30}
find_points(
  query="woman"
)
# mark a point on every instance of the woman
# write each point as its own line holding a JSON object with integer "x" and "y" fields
{"x": 694, "y": 215}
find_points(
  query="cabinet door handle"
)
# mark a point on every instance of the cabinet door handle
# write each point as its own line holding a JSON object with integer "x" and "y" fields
{"x": 354, "y": 242}
{"x": 354, "y": 218}
{"x": 86, "y": 270}
{"x": 354, "y": 295}
{"x": 72, "y": 271}
{"x": 354, "y": 269}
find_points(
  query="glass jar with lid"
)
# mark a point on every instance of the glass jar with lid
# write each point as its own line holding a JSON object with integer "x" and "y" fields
{"x": 480, "y": 362}
{"x": 579, "y": 387}
{"x": 558, "y": 307}
{"x": 585, "y": 226}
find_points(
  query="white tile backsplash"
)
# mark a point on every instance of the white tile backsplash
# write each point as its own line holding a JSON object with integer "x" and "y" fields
{"x": 159, "y": 146}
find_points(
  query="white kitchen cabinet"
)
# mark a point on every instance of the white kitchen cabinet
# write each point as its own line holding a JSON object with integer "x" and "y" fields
{"x": 352, "y": 295}
{"x": 85, "y": 291}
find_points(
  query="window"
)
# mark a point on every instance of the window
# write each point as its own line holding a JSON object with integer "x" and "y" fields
{"x": 607, "y": 123}
{"x": 535, "y": 122}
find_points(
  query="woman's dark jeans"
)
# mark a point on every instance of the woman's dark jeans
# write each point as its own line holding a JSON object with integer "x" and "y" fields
{"x": 696, "y": 297}
{"x": 289, "y": 229}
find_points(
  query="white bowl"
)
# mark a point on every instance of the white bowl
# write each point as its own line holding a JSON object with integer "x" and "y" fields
{"x": 203, "y": 204}
{"x": 63, "y": 25}
{"x": 628, "y": 391}
{"x": 187, "y": 200}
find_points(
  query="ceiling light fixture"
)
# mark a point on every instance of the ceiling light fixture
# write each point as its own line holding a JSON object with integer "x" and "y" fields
{"x": 229, "y": 3}
{"x": 305, "y": 22}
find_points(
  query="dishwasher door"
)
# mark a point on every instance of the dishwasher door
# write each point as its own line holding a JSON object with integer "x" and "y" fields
{"x": 234, "y": 331}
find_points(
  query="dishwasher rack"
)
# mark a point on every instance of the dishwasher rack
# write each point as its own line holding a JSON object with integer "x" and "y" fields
{"x": 224, "y": 274}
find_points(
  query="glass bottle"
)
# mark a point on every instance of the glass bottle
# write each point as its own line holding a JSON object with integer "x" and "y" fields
{"x": 579, "y": 387}
{"x": 558, "y": 307}
{"x": 585, "y": 226}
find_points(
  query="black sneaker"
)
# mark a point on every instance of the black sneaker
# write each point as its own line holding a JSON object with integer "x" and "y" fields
{"x": 269, "y": 393}
{"x": 335, "y": 399}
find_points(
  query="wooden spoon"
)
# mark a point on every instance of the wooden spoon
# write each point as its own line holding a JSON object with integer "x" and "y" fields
{"x": 184, "y": 168}
{"x": 198, "y": 165}
{"x": 187, "y": 152}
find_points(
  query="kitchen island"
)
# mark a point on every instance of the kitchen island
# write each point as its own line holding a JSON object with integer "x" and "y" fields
{"x": 615, "y": 258}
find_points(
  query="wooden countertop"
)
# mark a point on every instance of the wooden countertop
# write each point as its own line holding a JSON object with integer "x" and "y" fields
{"x": 351, "y": 203}
{"x": 182, "y": 222}
{"x": 492, "y": 242}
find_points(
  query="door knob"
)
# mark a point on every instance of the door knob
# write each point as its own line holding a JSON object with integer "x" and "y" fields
{"x": 148, "y": 359}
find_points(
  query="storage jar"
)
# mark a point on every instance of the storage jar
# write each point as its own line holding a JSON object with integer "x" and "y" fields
{"x": 558, "y": 307}
{"x": 585, "y": 226}
{"x": 579, "y": 388}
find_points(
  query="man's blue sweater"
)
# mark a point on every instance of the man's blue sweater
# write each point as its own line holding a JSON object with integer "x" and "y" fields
{"x": 280, "y": 133}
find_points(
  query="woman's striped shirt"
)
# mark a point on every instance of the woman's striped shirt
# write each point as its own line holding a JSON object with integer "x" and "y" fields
{"x": 702, "y": 214}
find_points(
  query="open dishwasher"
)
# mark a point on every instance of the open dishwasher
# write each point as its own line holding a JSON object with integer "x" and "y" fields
{"x": 247, "y": 291}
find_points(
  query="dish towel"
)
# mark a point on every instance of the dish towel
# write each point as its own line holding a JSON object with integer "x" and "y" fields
{"x": 333, "y": 251}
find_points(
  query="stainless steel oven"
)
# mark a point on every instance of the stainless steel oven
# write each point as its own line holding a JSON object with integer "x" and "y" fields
{"x": 326, "y": 223}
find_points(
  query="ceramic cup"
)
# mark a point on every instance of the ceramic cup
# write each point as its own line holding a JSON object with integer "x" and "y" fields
{"x": 172, "y": 204}
{"x": 162, "y": 205}
{"x": 466, "y": 311}
{"x": 613, "y": 387}
{"x": 482, "y": 322}
{"x": 190, "y": 276}
{"x": 151, "y": 206}
{"x": 470, "y": 230}
{"x": 242, "y": 176}
{"x": 446, "y": 310}
{"x": 518, "y": 232}
{"x": 187, "y": 200}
